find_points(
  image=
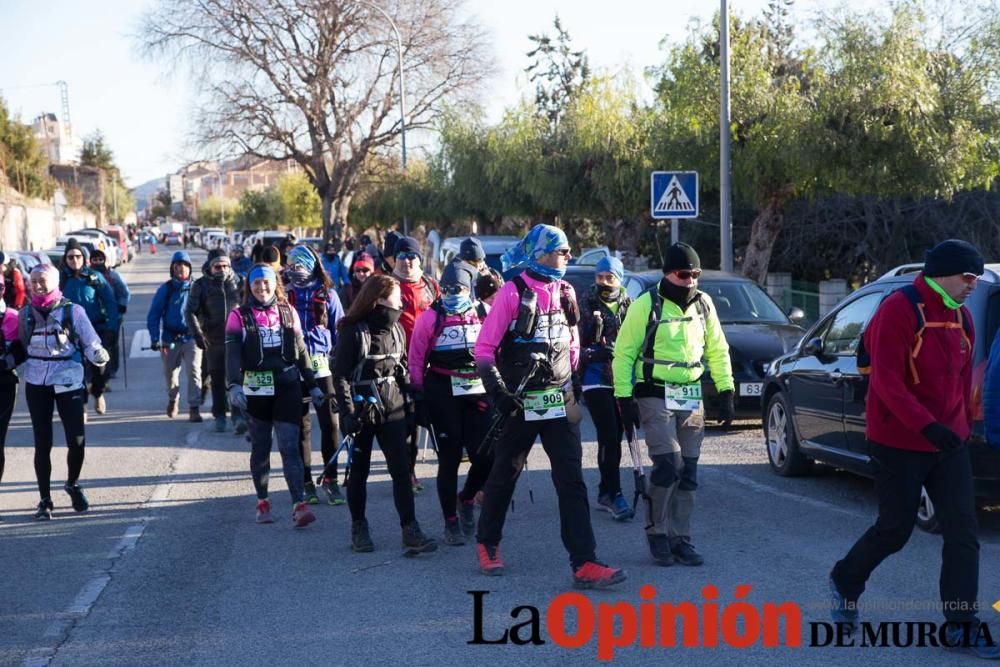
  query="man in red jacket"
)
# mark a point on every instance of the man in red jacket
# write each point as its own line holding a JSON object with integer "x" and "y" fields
{"x": 418, "y": 292}
{"x": 919, "y": 416}
{"x": 14, "y": 292}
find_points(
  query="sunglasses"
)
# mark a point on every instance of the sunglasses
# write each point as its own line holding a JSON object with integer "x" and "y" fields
{"x": 453, "y": 290}
{"x": 407, "y": 255}
{"x": 685, "y": 274}
{"x": 362, "y": 270}
{"x": 565, "y": 252}
{"x": 970, "y": 278}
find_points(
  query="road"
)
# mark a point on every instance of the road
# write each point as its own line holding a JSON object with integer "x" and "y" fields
{"x": 169, "y": 568}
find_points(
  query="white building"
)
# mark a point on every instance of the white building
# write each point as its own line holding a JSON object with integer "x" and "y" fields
{"x": 57, "y": 140}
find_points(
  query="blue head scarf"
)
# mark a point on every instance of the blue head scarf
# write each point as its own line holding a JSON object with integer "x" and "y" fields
{"x": 300, "y": 254}
{"x": 541, "y": 240}
{"x": 611, "y": 265}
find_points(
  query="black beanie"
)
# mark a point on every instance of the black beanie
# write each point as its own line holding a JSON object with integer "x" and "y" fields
{"x": 487, "y": 285}
{"x": 457, "y": 273}
{"x": 214, "y": 253}
{"x": 72, "y": 244}
{"x": 952, "y": 257}
{"x": 407, "y": 244}
{"x": 680, "y": 256}
{"x": 471, "y": 250}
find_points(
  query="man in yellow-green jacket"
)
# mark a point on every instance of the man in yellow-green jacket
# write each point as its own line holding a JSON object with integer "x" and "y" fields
{"x": 668, "y": 336}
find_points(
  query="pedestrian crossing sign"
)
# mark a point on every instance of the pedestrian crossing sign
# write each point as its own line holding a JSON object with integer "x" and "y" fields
{"x": 674, "y": 194}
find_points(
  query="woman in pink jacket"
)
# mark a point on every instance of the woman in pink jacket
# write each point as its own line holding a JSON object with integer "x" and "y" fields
{"x": 451, "y": 400}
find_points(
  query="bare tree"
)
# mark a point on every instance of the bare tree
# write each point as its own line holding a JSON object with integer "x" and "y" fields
{"x": 317, "y": 81}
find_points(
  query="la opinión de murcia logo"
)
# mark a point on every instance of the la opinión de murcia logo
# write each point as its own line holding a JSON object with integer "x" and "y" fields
{"x": 574, "y": 621}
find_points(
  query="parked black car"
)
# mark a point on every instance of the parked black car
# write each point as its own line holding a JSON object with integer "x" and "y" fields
{"x": 755, "y": 327}
{"x": 813, "y": 405}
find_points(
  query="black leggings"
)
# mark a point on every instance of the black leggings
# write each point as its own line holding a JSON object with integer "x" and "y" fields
{"x": 41, "y": 399}
{"x": 329, "y": 429}
{"x": 604, "y": 412}
{"x": 459, "y": 423}
{"x": 392, "y": 442}
{"x": 8, "y": 396}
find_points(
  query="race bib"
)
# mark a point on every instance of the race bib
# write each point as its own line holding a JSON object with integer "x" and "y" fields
{"x": 321, "y": 365}
{"x": 258, "y": 383}
{"x": 544, "y": 404}
{"x": 683, "y": 396}
{"x": 466, "y": 386}
{"x": 458, "y": 337}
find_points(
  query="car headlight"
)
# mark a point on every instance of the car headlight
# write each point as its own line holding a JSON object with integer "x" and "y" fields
{"x": 766, "y": 368}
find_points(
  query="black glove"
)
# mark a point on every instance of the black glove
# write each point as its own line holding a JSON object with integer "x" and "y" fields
{"x": 505, "y": 402}
{"x": 728, "y": 410}
{"x": 155, "y": 346}
{"x": 350, "y": 424}
{"x": 122, "y": 310}
{"x": 941, "y": 437}
{"x": 628, "y": 408}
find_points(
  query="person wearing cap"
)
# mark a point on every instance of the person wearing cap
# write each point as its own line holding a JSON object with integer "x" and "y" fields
{"x": 919, "y": 414}
{"x": 240, "y": 262}
{"x": 213, "y": 296}
{"x": 58, "y": 338}
{"x": 603, "y": 309}
{"x": 88, "y": 288}
{"x": 334, "y": 266}
{"x": 14, "y": 293}
{"x": 12, "y": 354}
{"x": 98, "y": 262}
{"x": 318, "y": 306}
{"x": 488, "y": 280}
{"x": 530, "y": 336}
{"x": 666, "y": 334}
{"x": 418, "y": 292}
{"x": 362, "y": 268}
{"x": 450, "y": 395}
{"x": 176, "y": 342}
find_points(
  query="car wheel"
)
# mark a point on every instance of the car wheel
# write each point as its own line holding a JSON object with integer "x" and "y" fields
{"x": 782, "y": 442}
{"x": 926, "y": 517}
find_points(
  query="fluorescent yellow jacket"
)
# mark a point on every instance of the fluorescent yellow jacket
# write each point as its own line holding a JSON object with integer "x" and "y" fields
{"x": 681, "y": 340}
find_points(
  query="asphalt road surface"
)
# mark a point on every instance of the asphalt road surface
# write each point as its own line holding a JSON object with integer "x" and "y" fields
{"x": 169, "y": 568}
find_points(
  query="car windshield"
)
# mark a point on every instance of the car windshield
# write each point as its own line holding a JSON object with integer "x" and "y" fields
{"x": 742, "y": 303}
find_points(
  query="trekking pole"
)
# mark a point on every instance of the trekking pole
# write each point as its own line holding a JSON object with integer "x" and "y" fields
{"x": 639, "y": 475}
{"x": 348, "y": 444}
{"x": 124, "y": 353}
{"x": 500, "y": 420}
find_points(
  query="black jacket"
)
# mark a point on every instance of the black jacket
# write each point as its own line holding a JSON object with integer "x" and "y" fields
{"x": 347, "y": 356}
{"x": 208, "y": 307}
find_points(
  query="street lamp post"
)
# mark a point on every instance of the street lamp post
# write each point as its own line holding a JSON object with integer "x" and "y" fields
{"x": 402, "y": 92}
{"x": 725, "y": 208}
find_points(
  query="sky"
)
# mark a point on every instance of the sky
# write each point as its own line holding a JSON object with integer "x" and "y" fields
{"x": 144, "y": 111}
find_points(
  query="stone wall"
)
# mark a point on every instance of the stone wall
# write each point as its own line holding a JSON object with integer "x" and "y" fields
{"x": 31, "y": 224}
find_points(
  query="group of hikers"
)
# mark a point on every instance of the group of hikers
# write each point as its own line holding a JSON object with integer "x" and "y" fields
{"x": 380, "y": 349}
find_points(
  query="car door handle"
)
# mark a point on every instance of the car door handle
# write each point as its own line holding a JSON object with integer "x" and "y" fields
{"x": 836, "y": 376}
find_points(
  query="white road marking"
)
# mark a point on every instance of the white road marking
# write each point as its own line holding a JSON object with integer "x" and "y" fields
{"x": 84, "y": 601}
{"x": 140, "y": 339}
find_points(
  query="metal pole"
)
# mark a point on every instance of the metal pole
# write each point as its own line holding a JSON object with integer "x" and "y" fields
{"x": 675, "y": 230}
{"x": 725, "y": 194}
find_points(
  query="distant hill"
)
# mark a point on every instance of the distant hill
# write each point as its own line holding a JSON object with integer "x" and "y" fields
{"x": 142, "y": 192}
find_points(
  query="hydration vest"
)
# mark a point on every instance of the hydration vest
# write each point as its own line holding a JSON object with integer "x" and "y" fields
{"x": 255, "y": 355}
{"x": 551, "y": 337}
{"x": 454, "y": 344}
{"x": 648, "y": 358}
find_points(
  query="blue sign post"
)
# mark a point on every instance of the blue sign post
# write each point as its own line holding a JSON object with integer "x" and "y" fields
{"x": 673, "y": 195}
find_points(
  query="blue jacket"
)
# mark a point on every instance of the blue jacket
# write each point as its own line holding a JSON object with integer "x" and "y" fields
{"x": 319, "y": 340}
{"x": 242, "y": 267}
{"x": 118, "y": 286}
{"x": 168, "y": 307}
{"x": 90, "y": 290}
{"x": 337, "y": 270}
